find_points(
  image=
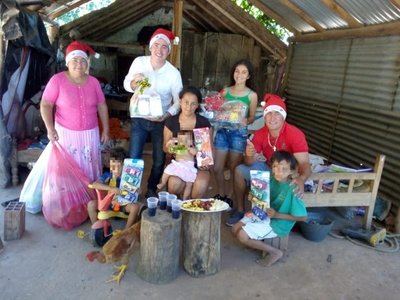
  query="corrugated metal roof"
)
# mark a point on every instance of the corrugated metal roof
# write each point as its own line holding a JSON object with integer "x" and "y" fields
{"x": 321, "y": 14}
{"x": 370, "y": 12}
{"x": 290, "y": 16}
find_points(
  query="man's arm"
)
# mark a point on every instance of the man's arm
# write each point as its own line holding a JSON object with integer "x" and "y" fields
{"x": 304, "y": 171}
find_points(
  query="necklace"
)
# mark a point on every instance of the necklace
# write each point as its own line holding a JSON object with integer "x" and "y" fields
{"x": 273, "y": 146}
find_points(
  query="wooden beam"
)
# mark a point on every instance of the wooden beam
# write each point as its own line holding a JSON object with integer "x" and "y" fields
{"x": 397, "y": 4}
{"x": 272, "y": 14}
{"x": 341, "y": 12}
{"x": 177, "y": 29}
{"x": 251, "y": 27}
{"x": 126, "y": 19}
{"x": 196, "y": 21}
{"x": 392, "y": 28}
{"x": 131, "y": 46}
{"x": 214, "y": 21}
{"x": 66, "y": 9}
{"x": 186, "y": 6}
{"x": 298, "y": 11}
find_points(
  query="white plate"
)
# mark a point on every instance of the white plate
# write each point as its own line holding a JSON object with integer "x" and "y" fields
{"x": 221, "y": 206}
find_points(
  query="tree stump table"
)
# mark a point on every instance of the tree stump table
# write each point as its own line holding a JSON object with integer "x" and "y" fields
{"x": 159, "y": 247}
{"x": 201, "y": 243}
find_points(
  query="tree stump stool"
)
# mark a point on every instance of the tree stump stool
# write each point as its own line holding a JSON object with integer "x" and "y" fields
{"x": 159, "y": 247}
{"x": 281, "y": 243}
{"x": 201, "y": 243}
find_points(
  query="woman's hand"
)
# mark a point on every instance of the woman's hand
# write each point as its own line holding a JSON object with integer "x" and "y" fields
{"x": 105, "y": 137}
{"x": 52, "y": 135}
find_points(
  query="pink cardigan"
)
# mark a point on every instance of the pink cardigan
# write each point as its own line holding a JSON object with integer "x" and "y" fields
{"x": 76, "y": 105}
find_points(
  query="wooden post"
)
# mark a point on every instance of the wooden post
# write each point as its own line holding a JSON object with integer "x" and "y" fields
{"x": 159, "y": 247}
{"x": 201, "y": 243}
{"x": 177, "y": 29}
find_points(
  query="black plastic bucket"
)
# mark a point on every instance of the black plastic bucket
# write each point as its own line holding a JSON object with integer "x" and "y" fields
{"x": 316, "y": 227}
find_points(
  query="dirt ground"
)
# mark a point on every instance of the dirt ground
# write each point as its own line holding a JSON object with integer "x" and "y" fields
{"x": 49, "y": 263}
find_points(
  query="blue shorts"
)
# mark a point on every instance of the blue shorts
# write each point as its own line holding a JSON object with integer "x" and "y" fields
{"x": 245, "y": 169}
{"x": 231, "y": 140}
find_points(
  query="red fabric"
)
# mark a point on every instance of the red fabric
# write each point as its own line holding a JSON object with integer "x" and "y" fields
{"x": 75, "y": 45}
{"x": 291, "y": 139}
{"x": 167, "y": 33}
{"x": 271, "y": 99}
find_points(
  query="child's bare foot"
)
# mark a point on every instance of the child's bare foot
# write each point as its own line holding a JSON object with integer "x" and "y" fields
{"x": 160, "y": 186}
{"x": 270, "y": 258}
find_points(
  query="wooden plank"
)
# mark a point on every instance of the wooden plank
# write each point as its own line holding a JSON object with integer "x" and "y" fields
{"x": 251, "y": 27}
{"x": 177, "y": 29}
{"x": 187, "y": 57}
{"x": 392, "y": 28}
{"x": 229, "y": 51}
{"x": 198, "y": 62}
{"x": 396, "y": 3}
{"x": 210, "y": 58}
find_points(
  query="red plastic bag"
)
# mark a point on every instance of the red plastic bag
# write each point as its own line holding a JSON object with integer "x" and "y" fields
{"x": 65, "y": 191}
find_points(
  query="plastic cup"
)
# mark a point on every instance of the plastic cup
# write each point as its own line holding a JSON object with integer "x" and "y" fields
{"x": 152, "y": 206}
{"x": 170, "y": 197}
{"x": 176, "y": 208}
{"x": 162, "y": 196}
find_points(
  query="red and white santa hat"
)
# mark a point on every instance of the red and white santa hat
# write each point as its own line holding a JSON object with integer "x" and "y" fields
{"x": 78, "y": 49}
{"x": 273, "y": 102}
{"x": 164, "y": 34}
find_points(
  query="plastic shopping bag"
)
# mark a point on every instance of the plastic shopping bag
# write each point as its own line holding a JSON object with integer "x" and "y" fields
{"x": 31, "y": 192}
{"x": 65, "y": 190}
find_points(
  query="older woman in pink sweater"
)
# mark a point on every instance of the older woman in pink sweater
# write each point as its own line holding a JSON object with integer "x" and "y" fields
{"x": 69, "y": 107}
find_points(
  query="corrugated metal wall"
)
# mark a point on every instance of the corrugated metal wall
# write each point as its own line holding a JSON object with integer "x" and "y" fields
{"x": 345, "y": 95}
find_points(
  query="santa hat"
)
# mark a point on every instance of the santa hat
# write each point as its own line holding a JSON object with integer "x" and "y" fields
{"x": 76, "y": 49}
{"x": 273, "y": 102}
{"x": 166, "y": 35}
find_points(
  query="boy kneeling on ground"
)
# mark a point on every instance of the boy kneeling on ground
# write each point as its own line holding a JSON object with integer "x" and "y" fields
{"x": 286, "y": 208}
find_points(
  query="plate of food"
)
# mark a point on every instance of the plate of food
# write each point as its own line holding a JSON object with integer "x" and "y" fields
{"x": 204, "y": 205}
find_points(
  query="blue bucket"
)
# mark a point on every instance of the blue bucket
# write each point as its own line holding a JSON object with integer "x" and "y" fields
{"x": 316, "y": 227}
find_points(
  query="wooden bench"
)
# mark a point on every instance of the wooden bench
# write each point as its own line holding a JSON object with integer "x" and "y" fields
{"x": 351, "y": 196}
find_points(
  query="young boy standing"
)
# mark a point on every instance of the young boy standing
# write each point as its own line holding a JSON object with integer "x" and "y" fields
{"x": 286, "y": 208}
